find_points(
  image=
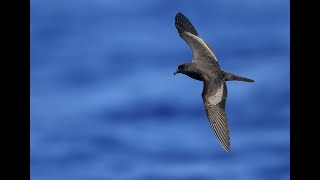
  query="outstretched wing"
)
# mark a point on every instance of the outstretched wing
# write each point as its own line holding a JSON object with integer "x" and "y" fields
{"x": 214, "y": 96}
{"x": 201, "y": 51}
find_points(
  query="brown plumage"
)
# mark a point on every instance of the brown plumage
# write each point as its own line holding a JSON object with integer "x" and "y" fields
{"x": 205, "y": 67}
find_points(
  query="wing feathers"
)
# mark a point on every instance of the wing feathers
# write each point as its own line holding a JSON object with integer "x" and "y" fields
{"x": 183, "y": 23}
{"x": 219, "y": 124}
{"x": 201, "y": 51}
{"x": 214, "y": 97}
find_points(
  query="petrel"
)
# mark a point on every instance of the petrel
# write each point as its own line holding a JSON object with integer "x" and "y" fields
{"x": 205, "y": 67}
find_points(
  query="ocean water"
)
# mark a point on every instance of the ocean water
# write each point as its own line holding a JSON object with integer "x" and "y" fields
{"x": 105, "y": 104}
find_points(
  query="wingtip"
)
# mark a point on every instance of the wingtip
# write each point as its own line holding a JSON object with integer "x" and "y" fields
{"x": 182, "y": 23}
{"x": 226, "y": 149}
{"x": 178, "y": 14}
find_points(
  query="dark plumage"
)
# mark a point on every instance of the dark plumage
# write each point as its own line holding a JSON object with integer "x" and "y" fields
{"x": 205, "y": 67}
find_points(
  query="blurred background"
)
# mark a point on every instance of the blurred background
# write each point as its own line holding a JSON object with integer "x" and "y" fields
{"x": 105, "y": 104}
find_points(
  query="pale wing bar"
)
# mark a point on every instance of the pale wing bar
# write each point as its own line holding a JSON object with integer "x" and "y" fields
{"x": 201, "y": 51}
{"x": 214, "y": 101}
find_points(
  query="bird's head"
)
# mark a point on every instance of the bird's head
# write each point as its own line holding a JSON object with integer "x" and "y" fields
{"x": 182, "y": 68}
{"x": 189, "y": 69}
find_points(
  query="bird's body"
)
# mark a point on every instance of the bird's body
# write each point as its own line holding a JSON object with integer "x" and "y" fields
{"x": 205, "y": 67}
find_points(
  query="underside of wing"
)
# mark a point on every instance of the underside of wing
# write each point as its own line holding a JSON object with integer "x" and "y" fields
{"x": 219, "y": 124}
{"x": 201, "y": 51}
{"x": 214, "y": 98}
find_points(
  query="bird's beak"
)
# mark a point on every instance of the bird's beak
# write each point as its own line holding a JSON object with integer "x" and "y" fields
{"x": 176, "y": 72}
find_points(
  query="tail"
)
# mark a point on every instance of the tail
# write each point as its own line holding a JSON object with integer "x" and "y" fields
{"x": 232, "y": 77}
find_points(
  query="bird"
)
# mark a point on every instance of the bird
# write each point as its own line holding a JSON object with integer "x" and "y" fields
{"x": 205, "y": 67}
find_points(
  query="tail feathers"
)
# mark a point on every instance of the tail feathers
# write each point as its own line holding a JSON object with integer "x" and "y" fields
{"x": 232, "y": 77}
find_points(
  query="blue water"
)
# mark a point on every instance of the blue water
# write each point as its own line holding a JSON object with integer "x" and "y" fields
{"x": 105, "y": 104}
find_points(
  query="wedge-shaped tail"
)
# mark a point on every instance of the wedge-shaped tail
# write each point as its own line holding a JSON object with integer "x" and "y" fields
{"x": 232, "y": 77}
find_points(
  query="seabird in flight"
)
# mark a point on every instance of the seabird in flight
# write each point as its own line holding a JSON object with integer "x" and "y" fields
{"x": 205, "y": 67}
